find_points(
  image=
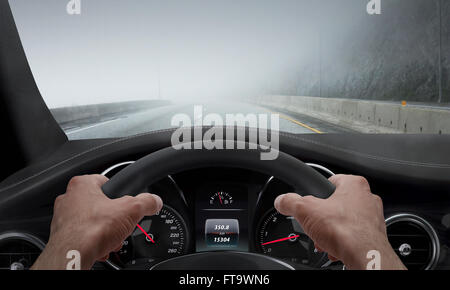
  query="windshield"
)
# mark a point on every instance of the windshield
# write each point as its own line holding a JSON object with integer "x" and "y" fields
{"x": 111, "y": 68}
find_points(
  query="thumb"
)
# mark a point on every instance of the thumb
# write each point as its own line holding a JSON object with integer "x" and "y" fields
{"x": 144, "y": 204}
{"x": 293, "y": 204}
{"x": 150, "y": 203}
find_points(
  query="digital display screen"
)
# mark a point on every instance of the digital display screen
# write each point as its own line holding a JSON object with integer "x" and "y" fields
{"x": 221, "y": 233}
{"x": 221, "y": 218}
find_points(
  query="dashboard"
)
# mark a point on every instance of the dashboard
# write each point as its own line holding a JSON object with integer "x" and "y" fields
{"x": 217, "y": 209}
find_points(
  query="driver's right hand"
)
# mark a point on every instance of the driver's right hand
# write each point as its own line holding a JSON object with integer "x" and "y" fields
{"x": 348, "y": 225}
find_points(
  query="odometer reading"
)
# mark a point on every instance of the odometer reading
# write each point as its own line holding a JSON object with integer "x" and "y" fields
{"x": 155, "y": 238}
{"x": 222, "y": 233}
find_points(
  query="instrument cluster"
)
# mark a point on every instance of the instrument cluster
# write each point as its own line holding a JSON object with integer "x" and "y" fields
{"x": 216, "y": 209}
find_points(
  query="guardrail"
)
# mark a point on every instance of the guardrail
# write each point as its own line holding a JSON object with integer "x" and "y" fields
{"x": 79, "y": 113}
{"x": 366, "y": 116}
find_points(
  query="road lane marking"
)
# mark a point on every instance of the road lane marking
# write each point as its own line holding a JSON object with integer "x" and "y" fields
{"x": 295, "y": 121}
{"x": 299, "y": 123}
{"x": 89, "y": 127}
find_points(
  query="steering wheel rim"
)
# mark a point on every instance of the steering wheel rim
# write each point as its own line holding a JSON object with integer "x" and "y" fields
{"x": 168, "y": 161}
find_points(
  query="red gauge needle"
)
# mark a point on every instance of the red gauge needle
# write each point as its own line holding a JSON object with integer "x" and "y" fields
{"x": 220, "y": 199}
{"x": 281, "y": 240}
{"x": 145, "y": 233}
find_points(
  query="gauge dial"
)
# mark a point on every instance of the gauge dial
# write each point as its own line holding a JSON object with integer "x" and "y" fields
{"x": 155, "y": 238}
{"x": 221, "y": 198}
{"x": 282, "y": 237}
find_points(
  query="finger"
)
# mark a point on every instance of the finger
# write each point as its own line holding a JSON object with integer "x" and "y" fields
{"x": 332, "y": 258}
{"x": 293, "y": 204}
{"x": 86, "y": 184}
{"x": 350, "y": 181}
{"x": 337, "y": 179}
{"x": 151, "y": 203}
{"x": 144, "y": 204}
{"x": 98, "y": 179}
{"x": 104, "y": 258}
{"x": 286, "y": 204}
{"x": 118, "y": 248}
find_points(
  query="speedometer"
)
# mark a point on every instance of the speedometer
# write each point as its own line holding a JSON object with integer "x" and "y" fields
{"x": 155, "y": 238}
{"x": 282, "y": 237}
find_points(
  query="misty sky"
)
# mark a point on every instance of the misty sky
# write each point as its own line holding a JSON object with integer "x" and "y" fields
{"x": 122, "y": 50}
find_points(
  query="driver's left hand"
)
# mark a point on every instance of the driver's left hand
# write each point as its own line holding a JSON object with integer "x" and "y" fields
{"x": 87, "y": 221}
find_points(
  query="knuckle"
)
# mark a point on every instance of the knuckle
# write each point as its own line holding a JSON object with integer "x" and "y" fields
{"x": 58, "y": 200}
{"x": 299, "y": 205}
{"x": 74, "y": 181}
{"x": 338, "y": 179}
{"x": 135, "y": 205}
{"x": 101, "y": 179}
{"x": 361, "y": 180}
{"x": 308, "y": 201}
{"x": 127, "y": 199}
{"x": 378, "y": 200}
{"x": 308, "y": 198}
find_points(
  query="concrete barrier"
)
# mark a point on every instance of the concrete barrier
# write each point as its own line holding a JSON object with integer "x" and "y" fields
{"x": 79, "y": 113}
{"x": 364, "y": 115}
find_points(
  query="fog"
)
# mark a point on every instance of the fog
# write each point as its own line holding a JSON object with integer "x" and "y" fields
{"x": 184, "y": 50}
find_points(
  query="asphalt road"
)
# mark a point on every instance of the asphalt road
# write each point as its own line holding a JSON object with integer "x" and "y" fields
{"x": 161, "y": 118}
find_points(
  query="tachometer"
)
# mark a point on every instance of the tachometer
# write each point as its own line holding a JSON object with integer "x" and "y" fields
{"x": 282, "y": 237}
{"x": 155, "y": 238}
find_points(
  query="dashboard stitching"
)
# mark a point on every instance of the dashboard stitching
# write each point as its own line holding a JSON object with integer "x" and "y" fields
{"x": 287, "y": 135}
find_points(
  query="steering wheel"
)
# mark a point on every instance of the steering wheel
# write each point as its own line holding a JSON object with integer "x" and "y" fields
{"x": 156, "y": 166}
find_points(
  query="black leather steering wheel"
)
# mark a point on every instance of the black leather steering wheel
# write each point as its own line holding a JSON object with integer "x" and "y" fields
{"x": 156, "y": 166}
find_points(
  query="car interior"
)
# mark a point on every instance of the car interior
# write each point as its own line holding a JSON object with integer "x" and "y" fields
{"x": 218, "y": 204}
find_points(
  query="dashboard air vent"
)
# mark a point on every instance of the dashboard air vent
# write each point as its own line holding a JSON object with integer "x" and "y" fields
{"x": 414, "y": 240}
{"x": 18, "y": 251}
